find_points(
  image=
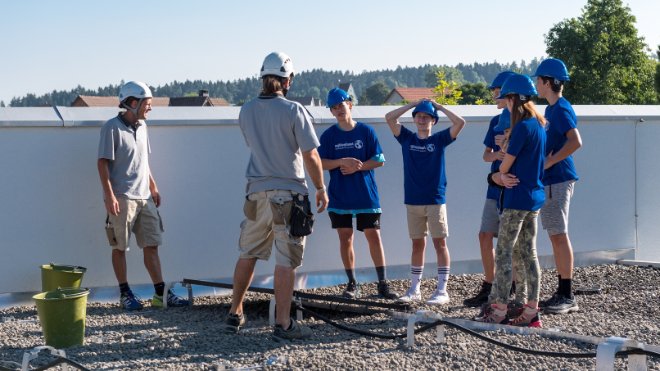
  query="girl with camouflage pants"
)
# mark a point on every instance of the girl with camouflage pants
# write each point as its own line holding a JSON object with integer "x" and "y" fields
{"x": 520, "y": 173}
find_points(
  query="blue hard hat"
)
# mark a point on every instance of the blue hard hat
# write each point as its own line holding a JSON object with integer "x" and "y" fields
{"x": 518, "y": 84}
{"x": 499, "y": 80}
{"x": 504, "y": 121}
{"x": 336, "y": 96}
{"x": 553, "y": 67}
{"x": 427, "y": 107}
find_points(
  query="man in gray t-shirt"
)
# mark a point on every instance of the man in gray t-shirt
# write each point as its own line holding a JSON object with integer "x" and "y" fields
{"x": 130, "y": 194}
{"x": 282, "y": 143}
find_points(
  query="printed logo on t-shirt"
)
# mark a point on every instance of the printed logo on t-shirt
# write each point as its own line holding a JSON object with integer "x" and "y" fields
{"x": 358, "y": 144}
{"x": 427, "y": 148}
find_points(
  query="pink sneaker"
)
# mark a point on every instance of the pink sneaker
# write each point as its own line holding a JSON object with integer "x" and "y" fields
{"x": 529, "y": 317}
{"x": 494, "y": 315}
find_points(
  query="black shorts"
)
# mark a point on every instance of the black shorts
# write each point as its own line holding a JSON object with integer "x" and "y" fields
{"x": 364, "y": 221}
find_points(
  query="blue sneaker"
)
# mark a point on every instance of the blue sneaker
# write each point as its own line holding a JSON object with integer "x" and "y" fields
{"x": 128, "y": 301}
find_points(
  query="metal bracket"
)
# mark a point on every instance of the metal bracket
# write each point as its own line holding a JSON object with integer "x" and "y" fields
{"x": 271, "y": 310}
{"x": 425, "y": 316}
{"x": 606, "y": 354}
{"x": 34, "y": 354}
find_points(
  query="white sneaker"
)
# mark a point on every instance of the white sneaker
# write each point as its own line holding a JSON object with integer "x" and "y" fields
{"x": 410, "y": 296}
{"x": 438, "y": 298}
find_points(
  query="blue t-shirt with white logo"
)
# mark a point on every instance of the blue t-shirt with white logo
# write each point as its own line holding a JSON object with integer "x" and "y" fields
{"x": 355, "y": 192}
{"x": 493, "y": 192}
{"x": 527, "y": 144}
{"x": 424, "y": 179}
{"x": 560, "y": 119}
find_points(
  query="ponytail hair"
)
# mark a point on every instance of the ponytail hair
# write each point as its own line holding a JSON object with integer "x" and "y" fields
{"x": 524, "y": 109}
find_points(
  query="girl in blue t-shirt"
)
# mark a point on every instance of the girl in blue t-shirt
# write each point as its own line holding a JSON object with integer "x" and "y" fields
{"x": 424, "y": 188}
{"x": 521, "y": 173}
{"x": 490, "y": 216}
{"x": 350, "y": 152}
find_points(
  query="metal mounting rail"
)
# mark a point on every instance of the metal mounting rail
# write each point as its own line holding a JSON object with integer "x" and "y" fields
{"x": 301, "y": 295}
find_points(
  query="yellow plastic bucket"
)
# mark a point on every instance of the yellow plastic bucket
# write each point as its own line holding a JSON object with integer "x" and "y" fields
{"x": 58, "y": 275}
{"x": 62, "y": 315}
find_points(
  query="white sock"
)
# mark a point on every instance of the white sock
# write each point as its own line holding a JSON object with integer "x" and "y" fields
{"x": 443, "y": 276}
{"x": 415, "y": 277}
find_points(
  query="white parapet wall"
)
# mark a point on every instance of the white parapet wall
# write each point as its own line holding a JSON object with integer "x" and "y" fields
{"x": 52, "y": 209}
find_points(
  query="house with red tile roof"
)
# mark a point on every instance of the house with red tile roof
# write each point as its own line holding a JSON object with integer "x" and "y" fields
{"x": 400, "y": 95}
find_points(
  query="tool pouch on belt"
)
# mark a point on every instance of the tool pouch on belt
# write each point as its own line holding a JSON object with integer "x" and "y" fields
{"x": 110, "y": 232}
{"x": 302, "y": 219}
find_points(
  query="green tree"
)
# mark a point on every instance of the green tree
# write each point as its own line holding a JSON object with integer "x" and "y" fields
{"x": 476, "y": 94}
{"x": 450, "y": 73}
{"x": 2, "y": 103}
{"x": 446, "y": 92}
{"x": 607, "y": 61}
{"x": 375, "y": 94}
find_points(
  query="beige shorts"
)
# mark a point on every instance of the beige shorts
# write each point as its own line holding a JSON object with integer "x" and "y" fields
{"x": 266, "y": 221}
{"x": 140, "y": 217}
{"x": 433, "y": 216}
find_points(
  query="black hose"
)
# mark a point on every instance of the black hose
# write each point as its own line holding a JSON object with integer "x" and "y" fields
{"x": 61, "y": 360}
{"x": 475, "y": 334}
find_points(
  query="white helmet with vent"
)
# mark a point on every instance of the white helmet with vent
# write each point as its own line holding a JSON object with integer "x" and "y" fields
{"x": 278, "y": 64}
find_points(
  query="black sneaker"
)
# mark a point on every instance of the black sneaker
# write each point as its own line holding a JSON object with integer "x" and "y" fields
{"x": 352, "y": 291}
{"x": 550, "y": 301}
{"x": 234, "y": 322}
{"x": 384, "y": 291}
{"x": 481, "y": 297}
{"x": 482, "y": 312}
{"x": 295, "y": 332}
{"x": 562, "y": 305}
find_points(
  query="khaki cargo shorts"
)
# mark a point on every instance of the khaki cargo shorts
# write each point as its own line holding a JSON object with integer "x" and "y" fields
{"x": 140, "y": 217}
{"x": 266, "y": 221}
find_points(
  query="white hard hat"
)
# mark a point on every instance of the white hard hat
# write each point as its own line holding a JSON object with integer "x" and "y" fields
{"x": 136, "y": 89}
{"x": 278, "y": 64}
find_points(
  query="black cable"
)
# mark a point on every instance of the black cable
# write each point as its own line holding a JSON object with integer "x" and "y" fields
{"x": 350, "y": 329}
{"x": 639, "y": 351}
{"x": 473, "y": 333}
{"x": 516, "y": 348}
{"x": 61, "y": 360}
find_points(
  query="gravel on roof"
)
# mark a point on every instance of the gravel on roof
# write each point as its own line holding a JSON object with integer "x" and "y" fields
{"x": 191, "y": 338}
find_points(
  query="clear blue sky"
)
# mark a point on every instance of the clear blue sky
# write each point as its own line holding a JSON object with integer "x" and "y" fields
{"x": 57, "y": 45}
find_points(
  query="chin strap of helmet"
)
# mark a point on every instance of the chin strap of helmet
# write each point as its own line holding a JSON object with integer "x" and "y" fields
{"x": 135, "y": 110}
{"x": 282, "y": 80}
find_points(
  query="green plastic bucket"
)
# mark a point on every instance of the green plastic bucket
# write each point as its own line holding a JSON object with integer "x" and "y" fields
{"x": 62, "y": 316}
{"x": 58, "y": 275}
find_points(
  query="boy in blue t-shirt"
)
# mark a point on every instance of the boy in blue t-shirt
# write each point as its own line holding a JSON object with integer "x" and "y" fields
{"x": 350, "y": 151}
{"x": 424, "y": 187}
{"x": 559, "y": 178}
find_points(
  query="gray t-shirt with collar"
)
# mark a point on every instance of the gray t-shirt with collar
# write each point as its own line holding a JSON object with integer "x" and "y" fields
{"x": 128, "y": 149}
{"x": 277, "y": 131}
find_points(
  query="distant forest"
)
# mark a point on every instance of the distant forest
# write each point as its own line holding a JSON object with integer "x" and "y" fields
{"x": 315, "y": 83}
